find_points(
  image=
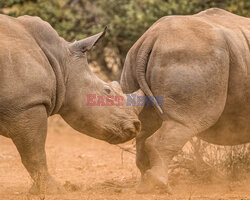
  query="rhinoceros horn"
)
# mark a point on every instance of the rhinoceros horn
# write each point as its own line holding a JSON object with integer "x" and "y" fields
{"x": 137, "y": 108}
{"x": 86, "y": 44}
{"x": 137, "y": 93}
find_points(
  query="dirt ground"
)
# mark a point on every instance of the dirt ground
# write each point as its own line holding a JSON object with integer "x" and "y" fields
{"x": 91, "y": 169}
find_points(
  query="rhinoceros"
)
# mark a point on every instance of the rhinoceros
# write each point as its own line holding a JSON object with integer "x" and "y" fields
{"x": 200, "y": 66}
{"x": 41, "y": 75}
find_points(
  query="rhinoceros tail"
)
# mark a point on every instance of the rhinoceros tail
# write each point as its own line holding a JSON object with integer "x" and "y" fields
{"x": 141, "y": 67}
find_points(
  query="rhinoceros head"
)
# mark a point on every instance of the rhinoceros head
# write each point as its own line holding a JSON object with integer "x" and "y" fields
{"x": 93, "y": 106}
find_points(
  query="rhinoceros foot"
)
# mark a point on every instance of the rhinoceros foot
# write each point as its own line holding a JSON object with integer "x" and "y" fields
{"x": 50, "y": 186}
{"x": 144, "y": 187}
{"x": 150, "y": 180}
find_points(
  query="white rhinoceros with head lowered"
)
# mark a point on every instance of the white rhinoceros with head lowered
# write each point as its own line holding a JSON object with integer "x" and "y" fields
{"x": 40, "y": 75}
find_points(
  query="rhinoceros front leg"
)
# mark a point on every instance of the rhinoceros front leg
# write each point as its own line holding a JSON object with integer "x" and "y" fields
{"x": 161, "y": 147}
{"x": 28, "y": 131}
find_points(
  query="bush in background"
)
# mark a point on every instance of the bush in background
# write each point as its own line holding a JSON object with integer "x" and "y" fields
{"x": 127, "y": 20}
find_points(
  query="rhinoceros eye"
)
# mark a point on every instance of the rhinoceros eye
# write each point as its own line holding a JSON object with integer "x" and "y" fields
{"x": 107, "y": 90}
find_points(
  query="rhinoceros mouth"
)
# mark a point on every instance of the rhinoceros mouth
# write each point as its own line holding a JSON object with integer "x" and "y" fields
{"x": 125, "y": 136}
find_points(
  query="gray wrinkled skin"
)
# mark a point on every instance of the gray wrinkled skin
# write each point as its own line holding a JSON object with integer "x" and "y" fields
{"x": 199, "y": 64}
{"x": 40, "y": 75}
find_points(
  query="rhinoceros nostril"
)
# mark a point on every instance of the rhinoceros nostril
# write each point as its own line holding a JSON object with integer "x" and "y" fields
{"x": 137, "y": 125}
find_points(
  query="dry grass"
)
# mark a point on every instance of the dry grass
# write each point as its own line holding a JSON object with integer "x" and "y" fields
{"x": 207, "y": 162}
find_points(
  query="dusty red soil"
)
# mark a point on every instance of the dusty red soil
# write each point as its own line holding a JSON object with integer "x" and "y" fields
{"x": 91, "y": 169}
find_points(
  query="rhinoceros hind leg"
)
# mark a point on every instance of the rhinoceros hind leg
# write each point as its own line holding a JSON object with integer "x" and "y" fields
{"x": 150, "y": 180}
{"x": 142, "y": 161}
{"x": 150, "y": 123}
{"x": 161, "y": 147}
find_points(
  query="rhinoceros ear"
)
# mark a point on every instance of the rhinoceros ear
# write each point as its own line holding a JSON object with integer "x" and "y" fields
{"x": 87, "y": 43}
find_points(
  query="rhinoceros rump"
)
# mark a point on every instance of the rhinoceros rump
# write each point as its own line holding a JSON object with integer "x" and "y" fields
{"x": 40, "y": 75}
{"x": 200, "y": 65}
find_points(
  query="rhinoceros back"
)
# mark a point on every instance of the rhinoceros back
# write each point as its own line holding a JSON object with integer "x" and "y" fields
{"x": 26, "y": 75}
